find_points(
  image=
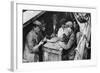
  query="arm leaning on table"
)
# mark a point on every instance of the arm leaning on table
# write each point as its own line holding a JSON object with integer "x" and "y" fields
{"x": 70, "y": 42}
{"x": 68, "y": 48}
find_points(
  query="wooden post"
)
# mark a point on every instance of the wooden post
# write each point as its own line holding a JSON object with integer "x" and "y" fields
{"x": 54, "y": 23}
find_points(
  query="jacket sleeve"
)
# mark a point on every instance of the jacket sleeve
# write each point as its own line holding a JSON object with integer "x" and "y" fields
{"x": 71, "y": 41}
{"x": 30, "y": 41}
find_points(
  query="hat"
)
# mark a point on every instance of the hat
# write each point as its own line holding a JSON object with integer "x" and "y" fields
{"x": 37, "y": 23}
{"x": 69, "y": 23}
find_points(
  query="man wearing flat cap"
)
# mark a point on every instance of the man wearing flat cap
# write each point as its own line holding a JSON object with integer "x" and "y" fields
{"x": 68, "y": 42}
{"x": 33, "y": 43}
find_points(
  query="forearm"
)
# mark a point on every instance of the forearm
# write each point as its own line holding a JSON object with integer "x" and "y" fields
{"x": 35, "y": 48}
{"x": 67, "y": 47}
{"x": 76, "y": 18}
{"x": 60, "y": 39}
{"x": 70, "y": 43}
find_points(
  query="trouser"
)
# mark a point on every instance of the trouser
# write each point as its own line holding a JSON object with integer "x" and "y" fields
{"x": 30, "y": 57}
{"x": 68, "y": 54}
{"x": 40, "y": 53}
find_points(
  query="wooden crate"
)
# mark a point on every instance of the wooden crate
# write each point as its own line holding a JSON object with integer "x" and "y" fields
{"x": 52, "y": 53}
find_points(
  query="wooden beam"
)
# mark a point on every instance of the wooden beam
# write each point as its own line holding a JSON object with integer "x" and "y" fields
{"x": 33, "y": 19}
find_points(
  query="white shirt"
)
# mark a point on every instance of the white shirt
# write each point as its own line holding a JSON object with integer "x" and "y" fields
{"x": 60, "y": 32}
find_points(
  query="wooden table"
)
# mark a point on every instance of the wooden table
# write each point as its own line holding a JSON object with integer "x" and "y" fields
{"x": 52, "y": 51}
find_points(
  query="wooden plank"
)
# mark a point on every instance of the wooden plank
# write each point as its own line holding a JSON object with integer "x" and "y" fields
{"x": 33, "y": 19}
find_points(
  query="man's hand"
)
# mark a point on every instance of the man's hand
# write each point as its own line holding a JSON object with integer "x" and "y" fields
{"x": 41, "y": 43}
{"x": 35, "y": 48}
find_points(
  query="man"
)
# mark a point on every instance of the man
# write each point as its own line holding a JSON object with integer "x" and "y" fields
{"x": 33, "y": 42}
{"x": 83, "y": 37}
{"x": 68, "y": 42}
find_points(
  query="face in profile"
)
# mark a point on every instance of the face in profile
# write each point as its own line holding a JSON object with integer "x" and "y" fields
{"x": 37, "y": 29}
{"x": 63, "y": 26}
